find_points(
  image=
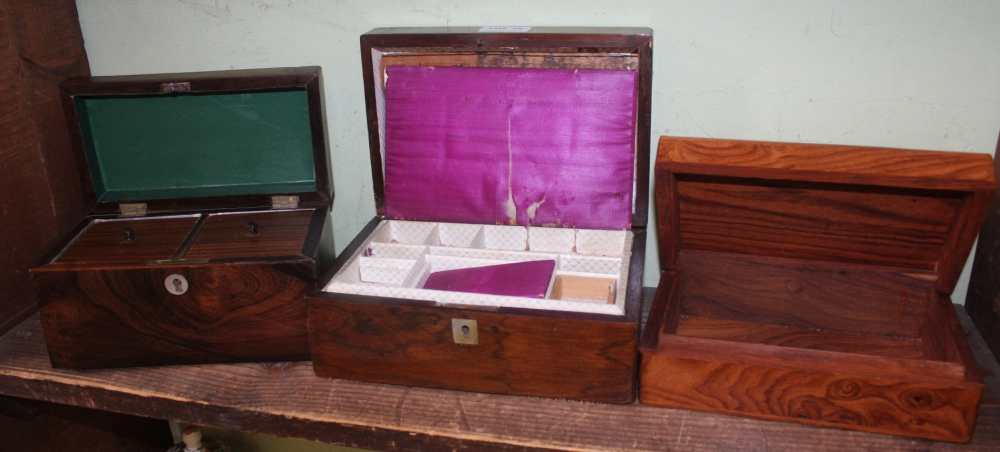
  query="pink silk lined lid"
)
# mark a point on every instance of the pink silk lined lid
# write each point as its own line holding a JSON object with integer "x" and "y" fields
{"x": 545, "y": 147}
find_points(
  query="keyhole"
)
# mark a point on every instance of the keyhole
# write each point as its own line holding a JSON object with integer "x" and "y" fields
{"x": 129, "y": 235}
{"x": 252, "y": 228}
{"x": 465, "y": 330}
{"x": 176, "y": 284}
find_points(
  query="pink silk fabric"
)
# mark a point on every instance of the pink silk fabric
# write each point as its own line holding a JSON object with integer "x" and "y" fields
{"x": 547, "y": 147}
{"x": 519, "y": 279}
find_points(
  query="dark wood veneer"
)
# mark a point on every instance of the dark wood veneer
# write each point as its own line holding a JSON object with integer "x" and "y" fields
{"x": 120, "y": 240}
{"x": 251, "y": 234}
{"x": 247, "y": 263}
{"x": 521, "y": 351}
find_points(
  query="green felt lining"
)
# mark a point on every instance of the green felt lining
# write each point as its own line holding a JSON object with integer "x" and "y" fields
{"x": 198, "y": 145}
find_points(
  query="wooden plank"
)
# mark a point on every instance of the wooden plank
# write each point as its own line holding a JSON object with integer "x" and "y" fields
{"x": 40, "y": 44}
{"x": 286, "y": 399}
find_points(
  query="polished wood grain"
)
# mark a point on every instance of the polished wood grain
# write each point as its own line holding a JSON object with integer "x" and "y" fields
{"x": 785, "y": 391}
{"x": 983, "y": 298}
{"x": 858, "y": 165}
{"x": 787, "y": 336}
{"x": 801, "y": 294}
{"x": 128, "y": 240}
{"x": 902, "y": 229}
{"x": 121, "y": 318}
{"x": 287, "y": 399}
{"x": 40, "y": 45}
{"x": 386, "y": 341}
{"x": 251, "y": 234}
{"x": 409, "y": 342}
{"x": 809, "y": 283}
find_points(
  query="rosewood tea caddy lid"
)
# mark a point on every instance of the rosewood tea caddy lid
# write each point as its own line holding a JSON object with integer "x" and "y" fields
{"x": 544, "y": 127}
{"x": 915, "y": 212}
{"x": 205, "y": 140}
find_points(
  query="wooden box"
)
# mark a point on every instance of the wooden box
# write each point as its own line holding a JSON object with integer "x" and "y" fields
{"x": 209, "y": 194}
{"x": 491, "y": 148}
{"x": 810, "y": 283}
{"x": 982, "y": 301}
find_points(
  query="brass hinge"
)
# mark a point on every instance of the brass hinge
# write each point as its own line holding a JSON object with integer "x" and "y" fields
{"x": 284, "y": 202}
{"x": 132, "y": 209}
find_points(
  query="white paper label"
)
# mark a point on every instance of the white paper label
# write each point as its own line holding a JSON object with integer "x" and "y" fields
{"x": 504, "y": 29}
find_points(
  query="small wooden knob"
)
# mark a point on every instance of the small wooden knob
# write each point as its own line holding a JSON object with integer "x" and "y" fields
{"x": 252, "y": 228}
{"x": 129, "y": 235}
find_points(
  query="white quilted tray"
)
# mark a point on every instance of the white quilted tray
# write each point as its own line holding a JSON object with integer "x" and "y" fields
{"x": 398, "y": 256}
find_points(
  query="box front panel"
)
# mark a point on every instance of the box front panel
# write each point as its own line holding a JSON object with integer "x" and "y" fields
{"x": 179, "y": 315}
{"x": 942, "y": 411}
{"x": 410, "y": 344}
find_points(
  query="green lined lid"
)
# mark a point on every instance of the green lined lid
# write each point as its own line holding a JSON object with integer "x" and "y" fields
{"x": 197, "y": 145}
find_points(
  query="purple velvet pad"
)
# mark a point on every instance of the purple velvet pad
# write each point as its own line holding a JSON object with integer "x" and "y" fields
{"x": 550, "y": 147}
{"x": 519, "y": 279}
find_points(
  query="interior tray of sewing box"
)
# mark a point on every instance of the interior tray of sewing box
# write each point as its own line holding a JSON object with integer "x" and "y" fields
{"x": 590, "y": 273}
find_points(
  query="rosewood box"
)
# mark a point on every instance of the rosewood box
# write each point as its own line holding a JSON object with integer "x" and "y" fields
{"x": 811, "y": 283}
{"x": 210, "y": 193}
{"x": 510, "y": 178}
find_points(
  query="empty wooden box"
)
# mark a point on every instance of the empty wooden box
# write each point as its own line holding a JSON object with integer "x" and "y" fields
{"x": 491, "y": 148}
{"x": 209, "y": 194}
{"x": 811, "y": 283}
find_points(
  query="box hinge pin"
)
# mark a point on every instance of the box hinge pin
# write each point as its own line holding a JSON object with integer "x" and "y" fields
{"x": 132, "y": 209}
{"x": 284, "y": 202}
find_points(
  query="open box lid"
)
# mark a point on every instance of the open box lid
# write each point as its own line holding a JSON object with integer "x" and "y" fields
{"x": 915, "y": 211}
{"x": 530, "y": 126}
{"x": 205, "y": 140}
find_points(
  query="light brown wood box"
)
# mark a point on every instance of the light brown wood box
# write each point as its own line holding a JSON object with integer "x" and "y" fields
{"x": 811, "y": 283}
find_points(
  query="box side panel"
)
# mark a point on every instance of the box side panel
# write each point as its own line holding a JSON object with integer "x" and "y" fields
{"x": 889, "y": 405}
{"x": 408, "y": 344}
{"x": 225, "y": 313}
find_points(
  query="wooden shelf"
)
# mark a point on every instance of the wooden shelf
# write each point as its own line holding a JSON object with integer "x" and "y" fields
{"x": 286, "y": 399}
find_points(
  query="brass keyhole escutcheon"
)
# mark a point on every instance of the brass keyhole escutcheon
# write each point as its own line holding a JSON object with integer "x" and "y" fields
{"x": 176, "y": 284}
{"x": 128, "y": 235}
{"x": 252, "y": 228}
{"x": 465, "y": 331}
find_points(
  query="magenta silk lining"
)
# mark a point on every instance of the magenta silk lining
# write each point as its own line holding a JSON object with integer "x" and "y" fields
{"x": 519, "y": 279}
{"x": 546, "y": 147}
